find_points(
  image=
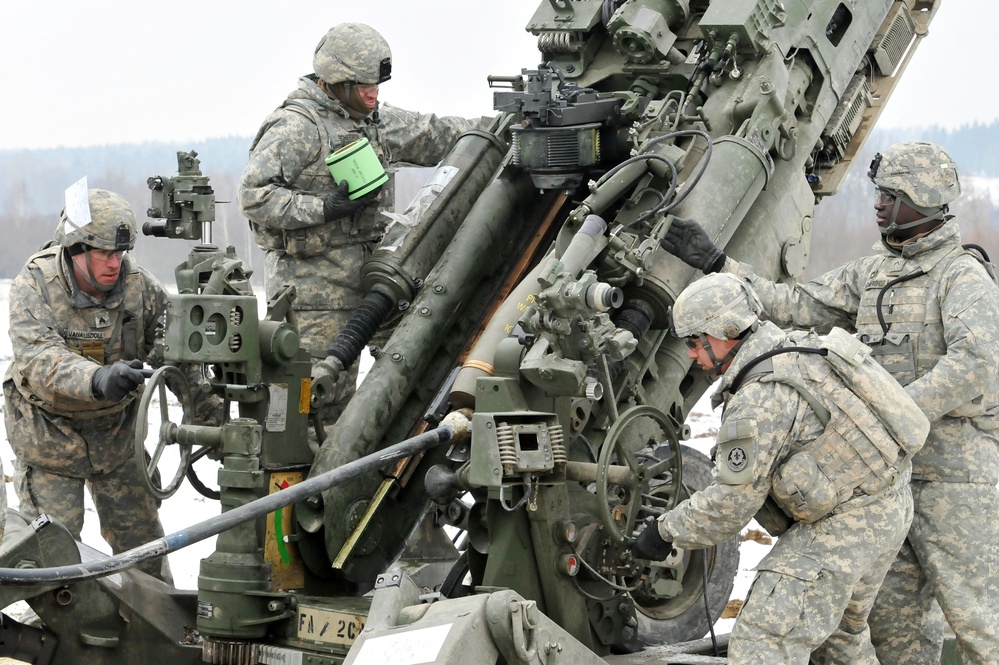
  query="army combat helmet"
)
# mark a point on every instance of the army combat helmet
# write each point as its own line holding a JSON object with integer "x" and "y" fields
{"x": 111, "y": 225}
{"x": 720, "y": 305}
{"x": 355, "y": 53}
{"x": 921, "y": 175}
{"x": 111, "y": 228}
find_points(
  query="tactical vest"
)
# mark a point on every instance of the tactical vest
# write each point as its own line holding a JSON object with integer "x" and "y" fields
{"x": 103, "y": 335}
{"x": 366, "y": 225}
{"x": 872, "y": 426}
{"x": 899, "y": 315}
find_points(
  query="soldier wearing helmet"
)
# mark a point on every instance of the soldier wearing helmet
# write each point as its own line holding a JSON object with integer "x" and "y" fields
{"x": 83, "y": 319}
{"x": 929, "y": 308}
{"x": 789, "y": 444}
{"x": 99, "y": 243}
{"x": 313, "y": 234}
{"x": 737, "y": 313}
{"x": 915, "y": 183}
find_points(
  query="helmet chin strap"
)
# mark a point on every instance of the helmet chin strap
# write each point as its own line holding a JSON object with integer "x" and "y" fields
{"x": 930, "y": 214}
{"x": 717, "y": 364}
{"x": 89, "y": 278}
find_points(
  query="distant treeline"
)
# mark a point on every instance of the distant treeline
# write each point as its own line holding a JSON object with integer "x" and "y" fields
{"x": 32, "y": 183}
{"x": 844, "y": 225}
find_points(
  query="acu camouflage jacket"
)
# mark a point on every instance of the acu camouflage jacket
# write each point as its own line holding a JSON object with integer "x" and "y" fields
{"x": 61, "y": 336}
{"x": 282, "y": 187}
{"x": 941, "y": 309}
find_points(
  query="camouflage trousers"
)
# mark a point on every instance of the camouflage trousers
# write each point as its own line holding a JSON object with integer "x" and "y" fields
{"x": 127, "y": 511}
{"x": 815, "y": 588}
{"x": 950, "y": 558}
{"x": 327, "y": 292}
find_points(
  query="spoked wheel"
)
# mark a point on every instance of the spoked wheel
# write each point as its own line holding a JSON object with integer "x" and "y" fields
{"x": 148, "y": 458}
{"x": 638, "y": 471}
{"x": 671, "y": 596}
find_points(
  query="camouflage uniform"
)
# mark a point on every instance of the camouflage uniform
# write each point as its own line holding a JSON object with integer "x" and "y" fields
{"x": 281, "y": 192}
{"x": 821, "y": 577}
{"x": 62, "y": 435}
{"x": 949, "y": 364}
{"x": 3, "y": 502}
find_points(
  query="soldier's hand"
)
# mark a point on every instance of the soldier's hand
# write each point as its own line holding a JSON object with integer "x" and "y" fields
{"x": 113, "y": 382}
{"x": 337, "y": 204}
{"x": 687, "y": 241}
{"x": 650, "y": 545}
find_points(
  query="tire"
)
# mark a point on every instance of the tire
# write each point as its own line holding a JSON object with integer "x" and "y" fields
{"x": 691, "y": 621}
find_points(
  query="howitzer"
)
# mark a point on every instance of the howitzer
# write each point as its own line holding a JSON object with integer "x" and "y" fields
{"x": 740, "y": 115}
{"x": 535, "y": 294}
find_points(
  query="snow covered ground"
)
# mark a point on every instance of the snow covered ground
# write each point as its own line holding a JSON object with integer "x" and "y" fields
{"x": 187, "y": 507}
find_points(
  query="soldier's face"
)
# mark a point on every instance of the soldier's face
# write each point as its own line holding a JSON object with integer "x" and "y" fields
{"x": 719, "y": 347}
{"x": 884, "y": 203}
{"x": 103, "y": 265}
{"x": 368, "y": 94}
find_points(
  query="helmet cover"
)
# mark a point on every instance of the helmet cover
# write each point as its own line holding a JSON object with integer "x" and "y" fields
{"x": 923, "y": 172}
{"x": 353, "y": 52}
{"x": 111, "y": 225}
{"x": 721, "y": 305}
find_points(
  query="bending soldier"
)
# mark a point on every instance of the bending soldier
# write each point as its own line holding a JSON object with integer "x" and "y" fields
{"x": 930, "y": 310}
{"x": 814, "y": 425}
{"x": 313, "y": 235}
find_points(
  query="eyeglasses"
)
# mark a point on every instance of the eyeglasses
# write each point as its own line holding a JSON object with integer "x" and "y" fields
{"x": 692, "y": 342}
{"x": 107, "y": 254}
{"x": 883, "y": 196}
{"x": 366, "y": 88}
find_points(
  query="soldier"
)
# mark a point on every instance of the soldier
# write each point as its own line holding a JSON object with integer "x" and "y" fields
{"x": 83, "y": 316}
{"x": 312, "y": 234}
{"x": 816, "y": 425}
{"x": 930, "y": 310}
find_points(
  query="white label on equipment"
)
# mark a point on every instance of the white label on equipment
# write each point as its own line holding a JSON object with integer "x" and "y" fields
{"x": 277, "y": 407}
{"x": 277, "y": 656}
{"x": 410, "y": 648}
{"x": 330, "y": 627}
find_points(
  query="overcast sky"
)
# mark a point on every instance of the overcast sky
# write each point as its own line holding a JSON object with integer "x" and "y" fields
{"x": 117, "y": 71}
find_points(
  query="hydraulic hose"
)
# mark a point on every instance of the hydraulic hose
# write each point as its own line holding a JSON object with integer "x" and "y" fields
{"x": 455, "y": 426}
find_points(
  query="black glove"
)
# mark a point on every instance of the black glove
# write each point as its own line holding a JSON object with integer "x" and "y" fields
{"x": 337, "y": 205}
{"x": 650, "y": 545}
{"x": 113, "y": 382}
{"x": 687, "y": 241}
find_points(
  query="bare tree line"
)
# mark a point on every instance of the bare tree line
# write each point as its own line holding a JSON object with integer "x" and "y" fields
{"x": 32, "y": 185}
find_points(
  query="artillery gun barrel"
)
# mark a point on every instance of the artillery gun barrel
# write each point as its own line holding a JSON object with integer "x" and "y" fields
{"x": 398, "y": 368}
{"x": 412, "y": 245}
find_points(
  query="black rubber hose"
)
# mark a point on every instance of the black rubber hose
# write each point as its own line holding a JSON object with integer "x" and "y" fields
{"x": 227, "y": 520}
{"x": 370, "y": 314}
{"x": 636, "y": 317}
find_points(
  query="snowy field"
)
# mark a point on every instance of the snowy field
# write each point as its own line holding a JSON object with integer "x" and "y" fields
{"x": 187, "y": 506}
